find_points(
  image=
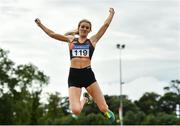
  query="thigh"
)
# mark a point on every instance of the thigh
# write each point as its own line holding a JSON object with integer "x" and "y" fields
{"x": 96, "y": 93}
{"x": 74, "y": 96}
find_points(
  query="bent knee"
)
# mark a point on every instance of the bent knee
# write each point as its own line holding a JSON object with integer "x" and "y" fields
{"x": 76, "y": 110}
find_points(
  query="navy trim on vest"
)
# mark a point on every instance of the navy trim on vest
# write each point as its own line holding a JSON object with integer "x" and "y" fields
{"x": 76, "y": 44}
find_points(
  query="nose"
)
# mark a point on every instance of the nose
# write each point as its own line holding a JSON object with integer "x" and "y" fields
{"x": 84, "y": 28}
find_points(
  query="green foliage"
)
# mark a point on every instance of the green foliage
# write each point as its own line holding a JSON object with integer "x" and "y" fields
{"x": 91, "y": 119}
{"x": 66, "y": 120}
{"x": 166, "y": 119}
{"x": 130, "y": 118}
{"x": 148, "y": 103}
{"x": 21, "y": 87}
{"x": 128, "y": 105}
{"x": 167, "y": 103}
{"x": 174, "y": 87}
{"x": 134, "y": 118}
{"x": 150, "y": 119}
{"x": 6, "y": 109}
{"x": 115, "y": 100}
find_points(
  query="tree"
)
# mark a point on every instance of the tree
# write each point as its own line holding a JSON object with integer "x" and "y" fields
{"x": 91, "y": 119}
{"x": 6, "y": 109}
{"x": 134, "y": 118}
{"x": 166, "y": 119}
{"x": 54, "y": 112}
{"x": 167, "y": 103}
{"x": 150, "y": 119}
{"x": 36, "y": 108}
{"x": 148, "y": 103}
{"x": 17, "y": 84}
{"x": 174, "y": 87}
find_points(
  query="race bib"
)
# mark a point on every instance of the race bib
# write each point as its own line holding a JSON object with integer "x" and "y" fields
{"x": 80, "y": 51}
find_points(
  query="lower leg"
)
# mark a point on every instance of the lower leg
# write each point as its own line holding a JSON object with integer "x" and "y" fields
{"x": 83, "y": 102}
{"x": 107, "y": 112}
{"x": 95, "y": 91}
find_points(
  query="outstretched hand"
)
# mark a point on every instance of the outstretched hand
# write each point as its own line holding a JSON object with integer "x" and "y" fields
{"x": 38, "y": 22}
{"x": 111, "y": 10}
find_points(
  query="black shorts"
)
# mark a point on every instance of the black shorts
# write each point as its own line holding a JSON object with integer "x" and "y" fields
{"x": 81, "y": 77}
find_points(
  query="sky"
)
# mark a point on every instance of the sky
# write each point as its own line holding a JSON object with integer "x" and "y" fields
{"x": 150, "y": 29}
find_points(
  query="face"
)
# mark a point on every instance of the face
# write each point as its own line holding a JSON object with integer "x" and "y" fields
{"x": 84, "y": 29}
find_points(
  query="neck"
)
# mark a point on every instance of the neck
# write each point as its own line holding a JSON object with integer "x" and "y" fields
{"x": 82, "y": 39}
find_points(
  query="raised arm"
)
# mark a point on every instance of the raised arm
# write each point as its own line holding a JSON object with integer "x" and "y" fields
{"x": 94, "y": 39}
{"x": 52, "y": 34}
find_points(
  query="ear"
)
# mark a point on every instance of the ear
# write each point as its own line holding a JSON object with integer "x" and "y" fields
{"x": 89, "y": 31}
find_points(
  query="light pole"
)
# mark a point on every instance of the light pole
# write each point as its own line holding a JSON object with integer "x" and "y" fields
{"x": 178, "y": 111}
{"x": 120, "y": 47}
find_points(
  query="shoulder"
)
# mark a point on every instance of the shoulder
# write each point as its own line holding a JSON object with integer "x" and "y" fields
{"x": 92, "y": 43}
{"x": 70, "y": 38}
{"x": 93, "y": 40}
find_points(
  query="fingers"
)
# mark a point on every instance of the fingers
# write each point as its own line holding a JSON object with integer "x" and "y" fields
{"x": 37, "y": 20}
{"x": 111, "y": 10}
